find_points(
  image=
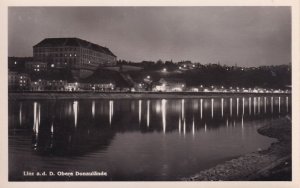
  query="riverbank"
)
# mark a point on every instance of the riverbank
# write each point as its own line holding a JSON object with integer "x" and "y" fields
{"x": 271, "y": 164}
{"x": 124, "y": 95}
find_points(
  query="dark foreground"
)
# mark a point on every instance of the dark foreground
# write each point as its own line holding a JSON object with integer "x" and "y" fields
{"x": 273, "y": 164}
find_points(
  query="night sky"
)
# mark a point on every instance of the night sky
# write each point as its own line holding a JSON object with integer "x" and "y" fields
{"x": 246, "y": 36}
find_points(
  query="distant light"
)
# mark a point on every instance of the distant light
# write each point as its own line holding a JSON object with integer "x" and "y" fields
{"x": 164, "y": 70}
{"x": 180, "y": 68}
{"x": 15, "y": 62}
{"x": 76, "y": 83}
{"x": 184, "y": 65}
{"x": 201, "y": 86}
{"x": 52, "y": 65}
{"x": 194, "y": 65}
{"x": 148, "y": 77}
{"x": 182, "y": 85}
{"x": 38, "y": 65}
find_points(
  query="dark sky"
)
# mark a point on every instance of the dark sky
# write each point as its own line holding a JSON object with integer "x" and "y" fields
{"x": 246, "y": 36}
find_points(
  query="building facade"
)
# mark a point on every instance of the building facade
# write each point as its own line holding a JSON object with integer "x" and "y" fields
{"x": 81, "y": 56}
{"x": 170, "y": 85}
{"x": 36, "y": 66}
{"x": 18, "y": 81}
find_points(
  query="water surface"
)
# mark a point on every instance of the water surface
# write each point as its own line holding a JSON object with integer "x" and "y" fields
{"x": 129, "y": 139}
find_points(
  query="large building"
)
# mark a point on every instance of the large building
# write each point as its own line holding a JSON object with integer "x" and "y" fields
{"x": 81, "y": 56}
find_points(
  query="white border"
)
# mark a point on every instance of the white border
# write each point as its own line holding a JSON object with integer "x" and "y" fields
{"x": 4, "y": 4}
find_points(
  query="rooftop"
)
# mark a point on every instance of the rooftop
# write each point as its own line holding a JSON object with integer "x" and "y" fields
{"x": 59, "y": 42}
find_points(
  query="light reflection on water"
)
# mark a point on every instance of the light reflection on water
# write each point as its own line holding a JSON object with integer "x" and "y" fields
{"x": 111, "y": 129}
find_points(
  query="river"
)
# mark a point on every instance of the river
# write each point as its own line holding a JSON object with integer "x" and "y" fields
{"x": 132, "y": 139}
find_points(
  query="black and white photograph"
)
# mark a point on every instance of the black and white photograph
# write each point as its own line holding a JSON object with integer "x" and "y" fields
{"x": 149, "y": 93}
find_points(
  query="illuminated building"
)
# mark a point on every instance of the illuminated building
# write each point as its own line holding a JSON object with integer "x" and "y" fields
{"x": 80, "y": 56}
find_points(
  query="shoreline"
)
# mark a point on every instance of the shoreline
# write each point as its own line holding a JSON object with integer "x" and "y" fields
{"x": 133, "y": 95}
{"x": 272, "y": 164}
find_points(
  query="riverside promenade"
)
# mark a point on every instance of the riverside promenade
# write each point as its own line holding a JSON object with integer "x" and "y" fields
{"x": 130, "y": 95}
